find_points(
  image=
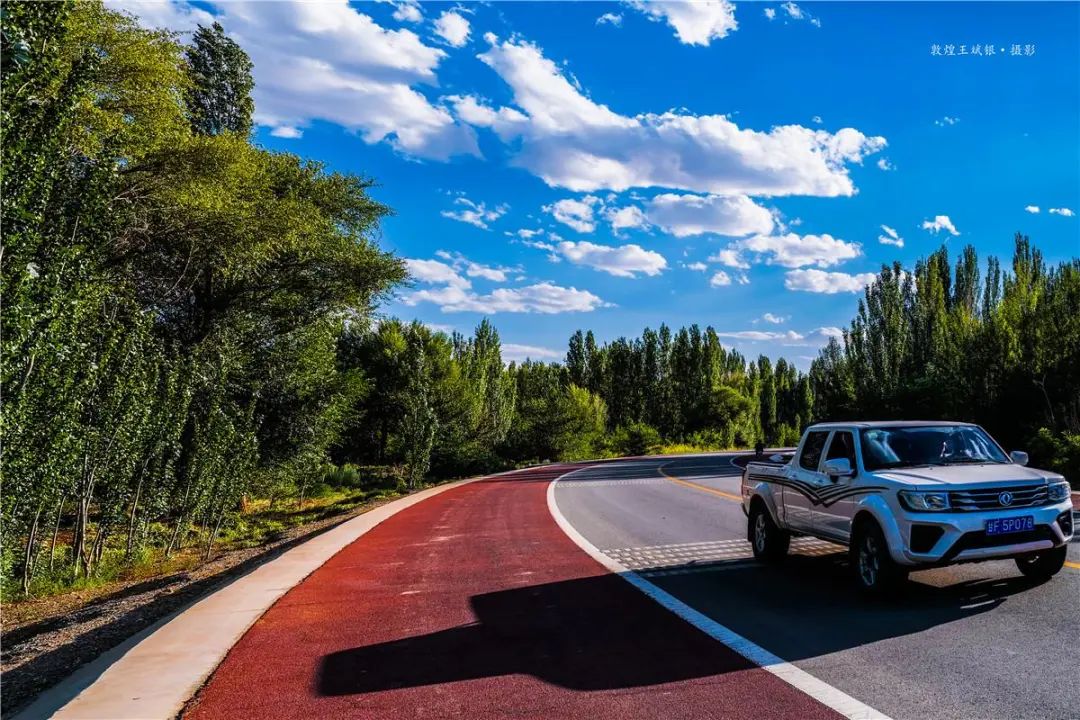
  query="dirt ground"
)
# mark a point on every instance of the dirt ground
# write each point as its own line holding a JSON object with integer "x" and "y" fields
{"x": 45, "y": 640}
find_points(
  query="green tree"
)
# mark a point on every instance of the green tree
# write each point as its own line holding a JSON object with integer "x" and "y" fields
{"x": 219, "y": 96}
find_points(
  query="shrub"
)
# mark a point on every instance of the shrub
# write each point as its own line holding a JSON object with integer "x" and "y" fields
{"x": 635, "y": 439}
{"x": 1057, "y": 451}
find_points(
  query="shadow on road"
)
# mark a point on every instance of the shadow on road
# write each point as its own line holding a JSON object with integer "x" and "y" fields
{"x": 598, "y": 633}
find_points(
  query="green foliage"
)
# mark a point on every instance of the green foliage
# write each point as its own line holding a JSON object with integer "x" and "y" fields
{"x": 1059, "y": 452}
{"x": 219, "y": 96}
{"x": 944, "y": 343}
{"x": 637, "y": 438}
{"x": 172, "y": 301}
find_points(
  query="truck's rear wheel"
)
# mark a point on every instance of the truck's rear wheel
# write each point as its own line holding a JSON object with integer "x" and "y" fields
{"x": 769, "y": 541}
{"x": 875, "y": 570}
{"x": 1045, "y": 565}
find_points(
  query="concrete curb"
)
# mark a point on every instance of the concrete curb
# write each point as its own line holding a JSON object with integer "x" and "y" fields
{"x": 153, "y": 674}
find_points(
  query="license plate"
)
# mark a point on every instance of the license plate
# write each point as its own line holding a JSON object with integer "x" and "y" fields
{"x": 1003, "y": 526}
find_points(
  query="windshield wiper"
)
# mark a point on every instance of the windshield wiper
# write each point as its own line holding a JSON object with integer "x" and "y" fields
{"x": 967, "y": 461}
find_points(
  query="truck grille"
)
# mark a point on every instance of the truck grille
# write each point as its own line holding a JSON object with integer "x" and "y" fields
{"x": 991, "y": 499}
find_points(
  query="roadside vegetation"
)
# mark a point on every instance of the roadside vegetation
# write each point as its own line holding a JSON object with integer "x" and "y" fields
{"x": 192, "y": 355}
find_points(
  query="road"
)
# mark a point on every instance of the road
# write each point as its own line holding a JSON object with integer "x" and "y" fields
{"x": 968, "y": 641}
{"x": 476, "y": 604}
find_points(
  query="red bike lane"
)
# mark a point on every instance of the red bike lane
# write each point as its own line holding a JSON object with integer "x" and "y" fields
{"x": 475, "y": 604}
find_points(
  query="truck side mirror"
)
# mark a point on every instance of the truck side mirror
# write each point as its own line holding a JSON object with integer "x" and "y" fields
{"x": 1019, "y": 457}
{"x": 838, "y": 468}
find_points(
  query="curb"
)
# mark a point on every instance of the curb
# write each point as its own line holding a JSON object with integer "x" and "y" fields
{"x": 153, "y": 674}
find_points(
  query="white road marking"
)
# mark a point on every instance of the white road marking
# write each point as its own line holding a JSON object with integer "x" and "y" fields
{"x": 611, "y": 483}
{"x": 821, "y": 691}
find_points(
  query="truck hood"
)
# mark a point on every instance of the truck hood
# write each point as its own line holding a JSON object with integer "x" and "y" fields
{"x": 966, "y": 475}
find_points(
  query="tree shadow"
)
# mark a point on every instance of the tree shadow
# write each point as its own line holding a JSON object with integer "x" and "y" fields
{"x": 598, "y": 633}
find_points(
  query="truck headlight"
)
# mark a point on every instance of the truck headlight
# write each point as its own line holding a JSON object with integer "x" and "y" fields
{"x": 1057, "y": 491}
{"x": 924, "y": 501}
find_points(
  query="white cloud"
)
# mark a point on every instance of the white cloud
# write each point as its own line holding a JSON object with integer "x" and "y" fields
{"x": 621, "y": 261}
{"x": 408, "y": 11}
{"x": 946, "y": 121}
{"x": 627, "y": 218}
{"x": 287, "y": 131}
{"x": 435, "y": 272}
{"x": 328, "y": 61}
{"x": 452, "y": 28}
{"x": 939, "y": 223}
{"x": 544, "y": 298}
{"x": 695, "y": 23}
{"x": 687, "y": 215}
{"x": 570, "y": 141}
{"x": 884, "y": 164}
{"x": 817, "y": 120}
{"x": 797, "y": 13}
{"x": 513, "y": 352}
{"x": 696, "y": 266}
{"x": 719, "y": 279}
{"x": 792, "y": 250}
{"x": 830, "y": 283}
{"x": 891, "y": 237}
{"x": 454, "y": 292}
{"x": 770, "y": 13}
{"x": 1063, "y": 211}
{"x": 610, "y": 19}
{"x": 731, "y": 258}
{"x": 774, "y": 319}
{"x": 474, "y": 213}
{"x": 177, "y": 16}
{"x": 1034, "y": 209}
{"x": 762, "y": 335}
{"x": 819, "y": 336}
{"x": 526, "y": 233}
{"x": 474, "y": 269}
{"x": 577, "y": 214}
{"x": 793, "y": 10}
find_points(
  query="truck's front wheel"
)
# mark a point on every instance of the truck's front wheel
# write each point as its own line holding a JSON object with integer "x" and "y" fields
{"x": 770, "y": 542}
{"x": 1043, "y": 566}
{"x": 875, "y": 570}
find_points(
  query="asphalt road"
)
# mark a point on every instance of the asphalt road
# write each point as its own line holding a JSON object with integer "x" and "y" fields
{"x": 970, "y": 641}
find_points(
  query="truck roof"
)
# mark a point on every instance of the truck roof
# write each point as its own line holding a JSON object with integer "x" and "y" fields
{"x": 886, "y": 423}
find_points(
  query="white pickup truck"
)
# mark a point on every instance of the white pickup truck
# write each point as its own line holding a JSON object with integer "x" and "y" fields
{"x": 909, "y": 495}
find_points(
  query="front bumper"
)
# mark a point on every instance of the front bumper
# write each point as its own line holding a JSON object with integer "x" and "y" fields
{"x": 956, "y": 537}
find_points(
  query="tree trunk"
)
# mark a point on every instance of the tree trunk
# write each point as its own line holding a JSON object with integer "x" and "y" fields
{"x": 134, "y": 510}
{"x": 56, "y": 531}
{"x": 175, "y": 534}
{"x": 28, "y": 558}
{"x": 213, "y": 535}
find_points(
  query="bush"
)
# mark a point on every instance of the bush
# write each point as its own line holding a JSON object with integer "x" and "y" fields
{"x": 1057, "y": 451}
{"x": 348, "y": 475}
{"x": 635, "y": 439}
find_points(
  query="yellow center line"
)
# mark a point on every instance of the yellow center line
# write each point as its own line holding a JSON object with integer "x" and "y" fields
{"x": 702, "y": 488}
{"x": 1072, "y": 565}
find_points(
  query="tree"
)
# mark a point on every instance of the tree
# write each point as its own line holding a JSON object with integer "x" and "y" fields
{"x": 219, "y": 97}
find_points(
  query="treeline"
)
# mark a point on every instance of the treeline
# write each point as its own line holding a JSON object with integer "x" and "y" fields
{"x": 1000, "y": 348}
{"x": 173, "y": 295}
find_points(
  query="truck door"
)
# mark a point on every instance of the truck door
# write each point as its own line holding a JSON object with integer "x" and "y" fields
{"x": 806, "y": 481}
{"x": 833, "y": 517}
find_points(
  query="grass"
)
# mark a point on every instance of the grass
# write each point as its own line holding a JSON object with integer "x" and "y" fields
{"x": 258, "y": 524}
{"x": 685, "y": 448}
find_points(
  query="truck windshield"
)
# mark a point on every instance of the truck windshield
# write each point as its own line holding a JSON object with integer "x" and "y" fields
{"x": 895, "y": 447}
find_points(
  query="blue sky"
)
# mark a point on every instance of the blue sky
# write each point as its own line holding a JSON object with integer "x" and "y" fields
{"x": 612, "y": 166}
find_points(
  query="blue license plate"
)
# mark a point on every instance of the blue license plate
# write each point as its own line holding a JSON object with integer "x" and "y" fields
{"x": 1003, "y": 526}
